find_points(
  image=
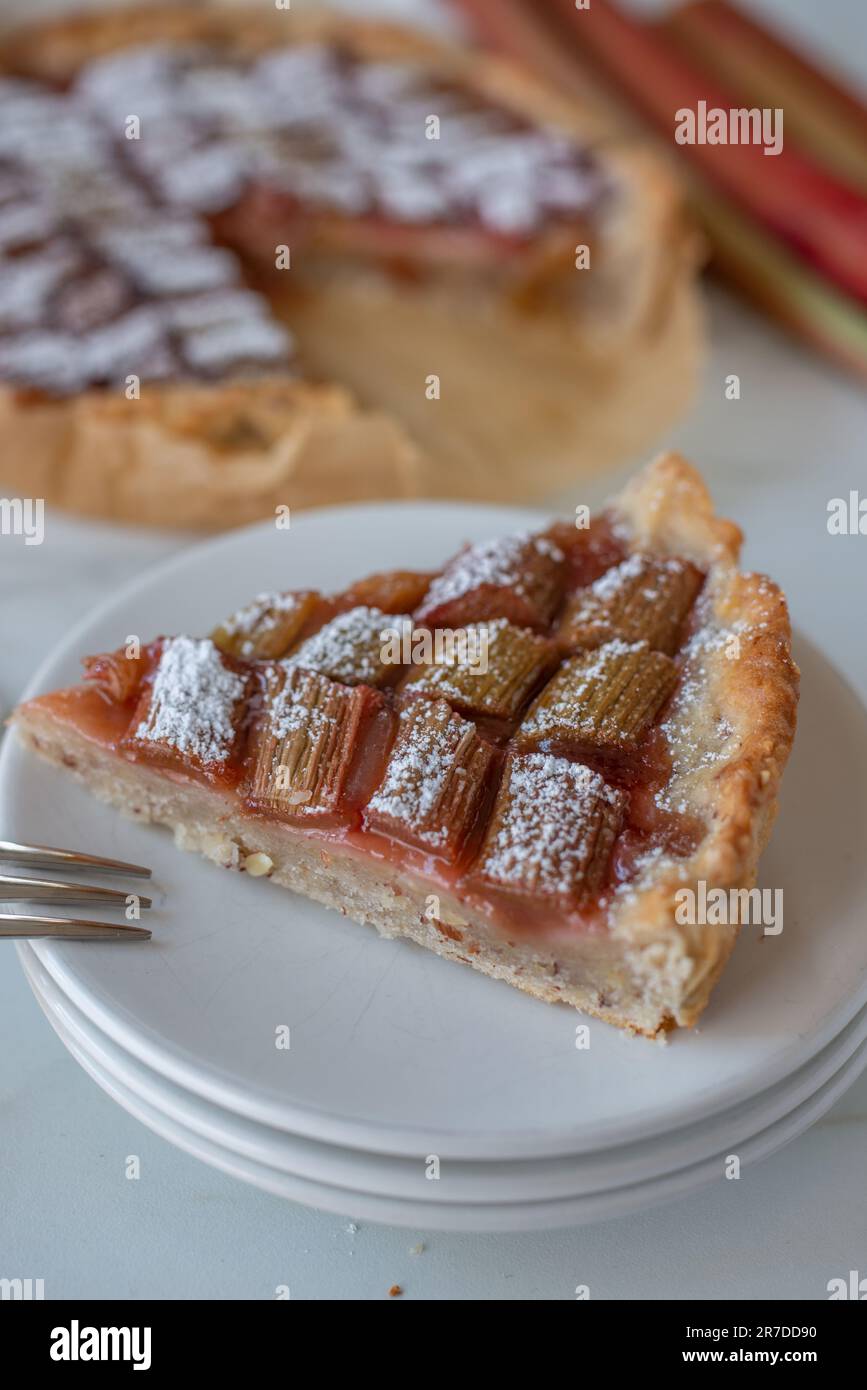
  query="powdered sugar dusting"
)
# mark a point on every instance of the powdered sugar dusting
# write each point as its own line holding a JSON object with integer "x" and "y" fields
{"x": 193, "y": 701}
{"x": 561, "y": 707}
{"x": 350, "y": 647}
{"x": 492, "y": 672}
{"x": 253, "y": 339}
{"x": 291, "y": 711}
{"x": 261, "y": 615}
{"x": 340, "y": 135}
{"x": 633, "y": 568}
{"x": 695, "y": 746}
{"x": 498, "y": 563}
{"x": 99, "y": 279}
{"x": 547, "y": 836}
{"x": 344, "y": 134}
{"x": 446, "y": 673}
{"x": 424, "y": 760}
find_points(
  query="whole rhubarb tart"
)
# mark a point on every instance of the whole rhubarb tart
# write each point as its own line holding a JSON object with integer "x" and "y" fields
{"x": 253, "y": 260}
{"x": 518, "y": 761}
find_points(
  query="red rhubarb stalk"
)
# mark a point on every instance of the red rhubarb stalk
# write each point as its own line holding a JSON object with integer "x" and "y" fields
{"x": 822, "y": 218}
{"x": 824, "y": 118}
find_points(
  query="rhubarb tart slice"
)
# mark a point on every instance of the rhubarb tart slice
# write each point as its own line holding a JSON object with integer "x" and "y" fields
{"x": 528, "y": 794}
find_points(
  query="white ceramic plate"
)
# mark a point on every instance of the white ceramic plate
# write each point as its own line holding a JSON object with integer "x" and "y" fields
{"x": 479, "y": 1181}
{"x": 456, "y": 1215}
{"x": 392, "y": 1049}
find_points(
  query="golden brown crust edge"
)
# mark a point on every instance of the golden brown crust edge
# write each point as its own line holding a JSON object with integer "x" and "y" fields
{"x": 199, "y": 457}
{"x": 740, "y": 699}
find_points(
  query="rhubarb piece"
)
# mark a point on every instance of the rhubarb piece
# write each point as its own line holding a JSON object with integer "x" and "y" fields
{"x": 643, "y": 599}
{"x": 393, "y": 591}
{"x": 267, "y": 627}
{"x": 304, "y": 743}
{"x": 190, "y": 714}
{"x": 518, "y": 577}
{"x": 435, "y": 781}
{"x": 117, "y": 675}
{"x": 490, "y": 669}
{"x": 589, "y": 551}
{"x": 363, "y": 646}
{"x": 552, "y": 831}
{"x": 601, "y": 701}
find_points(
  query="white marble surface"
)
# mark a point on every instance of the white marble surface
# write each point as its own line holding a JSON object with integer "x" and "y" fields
{"x": 795, "y": 439}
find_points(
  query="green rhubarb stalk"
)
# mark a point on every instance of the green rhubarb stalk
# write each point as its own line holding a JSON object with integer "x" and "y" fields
{"x": 781, "y": 284}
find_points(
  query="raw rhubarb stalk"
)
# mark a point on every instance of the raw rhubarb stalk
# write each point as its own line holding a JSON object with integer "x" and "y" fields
{"x": 780, "y": 284}
{"x": 820, "y": 217}
{"x": 518, "y": 30}
{"x": 826, "y": 118}
{"x": 750, "y": 257}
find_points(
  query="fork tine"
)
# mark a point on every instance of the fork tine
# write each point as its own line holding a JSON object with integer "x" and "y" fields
{"x": 44, "y": 857}
{"x": 24, "y": 927}
{"x": 47, "y": 890}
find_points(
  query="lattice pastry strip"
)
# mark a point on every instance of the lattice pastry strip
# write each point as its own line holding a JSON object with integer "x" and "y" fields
{"x": 644, "y": 599}
{"x": 552, "y": 831}
{"x": 603, "y": 700}
{"x": 435, "y": 782}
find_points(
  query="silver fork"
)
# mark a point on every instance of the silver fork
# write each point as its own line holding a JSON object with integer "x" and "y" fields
{"x": 15, "y": 889}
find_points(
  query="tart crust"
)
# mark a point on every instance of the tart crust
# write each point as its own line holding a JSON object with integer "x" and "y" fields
{"x": 753, "y": 694}
{"x": 729, "y": 729}
{"x": 574, "y": 388}
{"x": 203, "y": 456}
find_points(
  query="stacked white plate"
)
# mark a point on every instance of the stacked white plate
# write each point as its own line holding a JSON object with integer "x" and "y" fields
{"x": 412, "y": 1091}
